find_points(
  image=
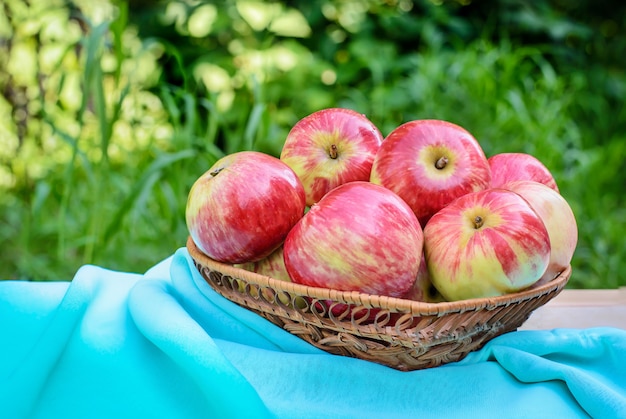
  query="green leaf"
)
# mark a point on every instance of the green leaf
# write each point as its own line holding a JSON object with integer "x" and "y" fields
{"x": 143, "y": 186}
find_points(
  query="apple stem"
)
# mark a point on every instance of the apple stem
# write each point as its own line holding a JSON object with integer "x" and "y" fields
{"x": 333, "y": 151}
{"x": 478, "y": 222}
{"x": 441, "y": 163}
{"x": 216, "y": 172}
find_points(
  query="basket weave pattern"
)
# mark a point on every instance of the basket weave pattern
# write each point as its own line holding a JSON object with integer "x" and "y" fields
{"x": 402, "y": 334}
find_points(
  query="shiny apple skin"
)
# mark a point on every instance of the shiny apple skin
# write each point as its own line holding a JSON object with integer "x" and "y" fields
{"x": 307, "y": 150}
{"x": 559, "y": 219}
{"x": 509, "y": 167}
{"x": 508, "y": 253}
{"x": 241, "y": 209}
{"x": 407, "y": 158}
{"x": 358, "y": 237}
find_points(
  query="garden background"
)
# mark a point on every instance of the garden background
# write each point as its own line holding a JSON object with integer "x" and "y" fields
{"x": 110, "y": 110}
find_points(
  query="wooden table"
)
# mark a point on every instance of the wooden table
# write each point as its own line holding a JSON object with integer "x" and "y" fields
{"x": 581, "y": 309}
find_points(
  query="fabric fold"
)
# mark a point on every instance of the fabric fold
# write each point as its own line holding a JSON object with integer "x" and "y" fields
{"x": 165, "y": 345}
{"x": 170, "y": 328}
{"x": 589, "y": 362}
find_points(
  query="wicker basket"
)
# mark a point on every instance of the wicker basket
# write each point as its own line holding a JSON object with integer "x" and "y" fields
{"x": 402, "y": 334}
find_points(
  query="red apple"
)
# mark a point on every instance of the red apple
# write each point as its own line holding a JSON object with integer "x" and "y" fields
{"x": 331, "y": 147}
{"x": 423, "y": 288}
{"x": 509, "y": 167}
{"x": 558, "y": 218}
{"x": 429, "y": 163}
{"x": 358, "y": 237}
{"x": 485, "y": 244}
{"x": 242, "y": 208}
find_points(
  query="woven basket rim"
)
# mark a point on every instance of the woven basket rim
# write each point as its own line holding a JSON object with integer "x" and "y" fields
{"x": 379, "y": 301}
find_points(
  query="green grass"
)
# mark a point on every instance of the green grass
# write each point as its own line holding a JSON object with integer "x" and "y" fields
{"x": 104, "y": 179}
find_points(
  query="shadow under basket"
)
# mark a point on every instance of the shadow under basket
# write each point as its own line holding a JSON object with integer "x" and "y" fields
{"x": 402, "y": 334}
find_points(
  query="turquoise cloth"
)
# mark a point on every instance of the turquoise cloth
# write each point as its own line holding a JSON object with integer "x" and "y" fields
{"x": 164, "y": 345}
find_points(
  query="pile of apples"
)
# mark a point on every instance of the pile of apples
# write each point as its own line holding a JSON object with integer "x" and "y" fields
{"x": 421, "y": 214}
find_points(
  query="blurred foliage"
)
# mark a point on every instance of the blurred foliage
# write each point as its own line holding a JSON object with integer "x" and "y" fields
{"x": 110, "y": 110}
